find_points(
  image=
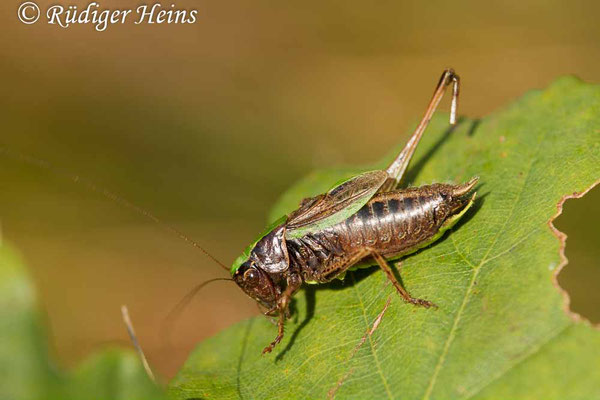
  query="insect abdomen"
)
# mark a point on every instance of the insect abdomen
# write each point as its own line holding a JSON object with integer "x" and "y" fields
{"x": 392, "y": 224}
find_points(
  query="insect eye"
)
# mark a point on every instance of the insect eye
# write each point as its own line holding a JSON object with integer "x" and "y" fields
{"x": 251, "y": 274}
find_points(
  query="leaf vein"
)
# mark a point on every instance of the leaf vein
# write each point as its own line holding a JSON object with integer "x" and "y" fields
{"x": 526, "y": 356}
{"x": 371, "y": 346}
{"x": 476, "y": 270}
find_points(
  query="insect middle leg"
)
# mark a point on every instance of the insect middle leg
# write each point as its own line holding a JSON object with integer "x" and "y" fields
{"x": 383, "y": 264}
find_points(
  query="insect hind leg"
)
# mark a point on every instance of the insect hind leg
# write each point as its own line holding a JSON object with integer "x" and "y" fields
{"x": 397, "y": 168}
{"x": 401, "y": 291}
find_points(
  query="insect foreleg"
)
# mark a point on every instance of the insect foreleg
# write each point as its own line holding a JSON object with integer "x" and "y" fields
{"x": 401, "y": 291}
{"x": 397, "y": 168}
{"x": 294, "y": 282}
{"x": 280, "y": 329}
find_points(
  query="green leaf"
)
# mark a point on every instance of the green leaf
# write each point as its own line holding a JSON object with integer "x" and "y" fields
{"x": 500, "y": 330}
{"x": 26, "y": 371}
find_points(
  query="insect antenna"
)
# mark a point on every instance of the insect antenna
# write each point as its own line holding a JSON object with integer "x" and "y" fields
{"x": 176, "y": 311}
{"x": 108, "y": 194}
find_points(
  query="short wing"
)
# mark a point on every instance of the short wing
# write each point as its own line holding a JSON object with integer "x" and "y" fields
{"x": 336, "y": 205}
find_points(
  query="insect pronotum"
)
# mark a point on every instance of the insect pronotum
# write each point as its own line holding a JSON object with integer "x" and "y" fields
{"x": 363, "y": 221}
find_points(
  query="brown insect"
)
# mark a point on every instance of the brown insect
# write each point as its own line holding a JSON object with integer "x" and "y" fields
{"x": 363, "y": 221}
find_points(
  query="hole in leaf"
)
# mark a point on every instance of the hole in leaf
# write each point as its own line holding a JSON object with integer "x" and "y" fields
{"x": 580, "y": 220}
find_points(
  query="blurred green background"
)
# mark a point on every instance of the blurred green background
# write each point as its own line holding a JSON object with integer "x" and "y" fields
{"x": 205, "y": 124}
